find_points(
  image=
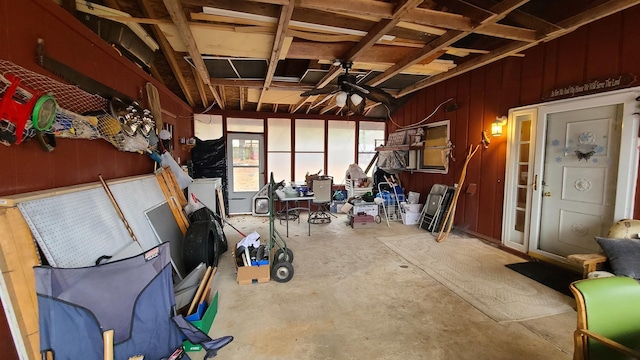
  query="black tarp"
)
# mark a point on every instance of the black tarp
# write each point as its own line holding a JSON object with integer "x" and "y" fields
{"x": 209, "y": 159}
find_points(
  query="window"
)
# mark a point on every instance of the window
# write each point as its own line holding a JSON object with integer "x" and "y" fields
{"x": 245, "y": 125}
{"x": 370, "y": 133}
{"x": 279, "y": 149}
{"x": 207, "y": 127}
{"x": 309, "y": 148}
{"x": 434, "y": 156}
{"x": 340, "y": 148}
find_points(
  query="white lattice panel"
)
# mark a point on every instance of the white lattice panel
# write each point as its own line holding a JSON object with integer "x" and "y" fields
{"x": 74, "y": 230}
{"x": 134, "y": 198}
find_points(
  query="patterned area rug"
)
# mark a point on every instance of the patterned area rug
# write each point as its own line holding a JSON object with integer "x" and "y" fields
{"x": 476, "y": 272}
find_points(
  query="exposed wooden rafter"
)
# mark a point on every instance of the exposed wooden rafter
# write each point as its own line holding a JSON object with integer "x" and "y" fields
{"x": 242, "y": 97}
{"x": 570, "y": 24}
{"x": 168, "y": 52}
{"x": 498, "y": 12}
{"x": 180, "y": 21}
{"x": 379, "y": 30}
{"x": 201, "y": 88}
{"x": 283, "y": 23}
{"x": 382, "y": 38}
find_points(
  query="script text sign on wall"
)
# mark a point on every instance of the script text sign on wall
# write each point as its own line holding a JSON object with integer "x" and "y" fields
{"x": 591, "y": 87}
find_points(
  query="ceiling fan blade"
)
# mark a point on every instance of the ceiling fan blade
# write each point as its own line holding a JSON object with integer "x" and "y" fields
{"x": 325, "y": 90}
{"x": 379, "y": 95}
{"x": 356, "y": 87}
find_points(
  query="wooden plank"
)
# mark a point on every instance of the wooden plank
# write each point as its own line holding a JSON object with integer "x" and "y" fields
{"x": 172, "y": 182}
{"x": 220, "y": 196}
{"x": 18, "y": 256}
{"x": 178, "y": 214}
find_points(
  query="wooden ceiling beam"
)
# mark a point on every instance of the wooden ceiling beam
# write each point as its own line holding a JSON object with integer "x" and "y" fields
{"x": 251, "y": 7}
{"x": 257, "y": 84}
{"x": 201, "y": 88}
{"x": 180, "y": 21}
{"x": 324, "y": 100}
{"x": 243, "y": 98}
{"x": 524, "y": 19}
{"x": 498, "y": 12}
{"x": 281, "y": 33}
{"x": 301, "y": 103}
{"x": 274, "y": 2}
{"x": 362, "y": 7}
{"x": 597, "y": 13}
{"x": 378, "y": 30}
{"x": 168, "y": 52}
{"x": 570, "y": 24}
{"x": 421, "y": 16}
{"x": 381, "y": 28}
{"x": 508, "y": 32}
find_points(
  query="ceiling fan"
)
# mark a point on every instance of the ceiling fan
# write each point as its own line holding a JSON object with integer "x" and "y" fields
{"x": 350, "y": 93}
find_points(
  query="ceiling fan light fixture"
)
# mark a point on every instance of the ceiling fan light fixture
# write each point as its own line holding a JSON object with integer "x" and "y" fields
{"x": 356, "y": 99}
{"x": 341, "y": 99}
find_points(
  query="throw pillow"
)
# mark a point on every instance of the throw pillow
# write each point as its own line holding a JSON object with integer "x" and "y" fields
{"x": 623, "y": 255}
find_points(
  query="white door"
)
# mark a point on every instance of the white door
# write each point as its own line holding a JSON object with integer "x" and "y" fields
{"x": 245, "y": 170}
{"x": 556, "y": 200}
{"x": 577, "y": 189}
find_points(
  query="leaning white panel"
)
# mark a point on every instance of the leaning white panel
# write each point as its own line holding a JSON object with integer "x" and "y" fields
{"x": 134, "y": 198}
{"x": 75, "y": 229}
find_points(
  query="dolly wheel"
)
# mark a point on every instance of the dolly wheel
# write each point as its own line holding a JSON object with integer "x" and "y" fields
{"x": 282, "y": 271}
{"x": 280, "y": 255}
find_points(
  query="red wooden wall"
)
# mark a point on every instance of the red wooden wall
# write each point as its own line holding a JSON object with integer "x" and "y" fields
{"x": 604, "y": 48}
{"x": 26, "y": 167}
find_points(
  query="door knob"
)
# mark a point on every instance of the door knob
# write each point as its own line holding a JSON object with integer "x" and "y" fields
{"x": 547, "y": 193}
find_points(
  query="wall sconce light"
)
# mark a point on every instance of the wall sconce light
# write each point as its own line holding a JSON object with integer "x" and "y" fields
{"x": 496, "y": 126}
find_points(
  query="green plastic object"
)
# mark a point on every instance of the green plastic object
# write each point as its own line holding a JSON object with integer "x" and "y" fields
{"x": 44, "y": 112}
{"x": 613, "y": 311}
{"x": 203, "y": 324}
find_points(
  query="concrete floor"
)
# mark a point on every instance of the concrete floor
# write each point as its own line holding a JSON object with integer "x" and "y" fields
{"x": 353, "y": 298}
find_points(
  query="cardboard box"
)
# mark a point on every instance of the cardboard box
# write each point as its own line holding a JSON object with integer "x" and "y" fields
{"x": 362, "y": 221}
{"x": 252, "y": 274}
{"x": 202, "y": 319}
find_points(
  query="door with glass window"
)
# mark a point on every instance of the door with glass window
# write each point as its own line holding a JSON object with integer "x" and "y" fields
{"x": 571, "y": 173}
{"x": 519, "y": 178}
{"x": 245, "y": 170}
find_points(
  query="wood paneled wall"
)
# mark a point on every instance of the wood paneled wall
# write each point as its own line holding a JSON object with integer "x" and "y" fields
{"x": 608, "y": 47}
{"x": 26, "y": 167}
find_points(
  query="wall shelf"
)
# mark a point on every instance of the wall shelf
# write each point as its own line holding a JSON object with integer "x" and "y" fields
{"x": 399, "y": 147}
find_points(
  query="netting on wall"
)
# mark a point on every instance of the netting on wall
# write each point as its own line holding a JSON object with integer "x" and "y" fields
{"x": 79, "y": 114}
{"x": 69, "y": 97}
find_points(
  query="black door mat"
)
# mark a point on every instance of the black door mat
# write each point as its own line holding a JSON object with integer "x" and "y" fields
{"x": 549, "y": 275}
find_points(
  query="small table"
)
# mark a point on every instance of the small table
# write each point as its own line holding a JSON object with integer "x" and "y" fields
{"x": 288, "y": 200}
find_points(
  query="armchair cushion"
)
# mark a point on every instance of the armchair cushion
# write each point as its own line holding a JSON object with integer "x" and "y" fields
{"x": 623, "y": 255}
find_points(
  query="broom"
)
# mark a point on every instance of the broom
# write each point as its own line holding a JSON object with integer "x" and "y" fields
{"x": 448, "y": 219}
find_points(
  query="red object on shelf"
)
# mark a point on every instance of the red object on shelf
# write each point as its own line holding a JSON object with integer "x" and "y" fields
{"x": 15, "y": 111}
